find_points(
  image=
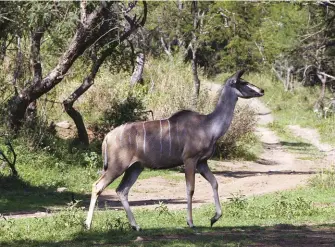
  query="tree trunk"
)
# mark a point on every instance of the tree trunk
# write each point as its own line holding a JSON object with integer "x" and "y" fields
{"x": 3, "y": 49}
{"x": 196, "y": 79}
{"x": 138, "y": 71}
{"x": 79, "y": 122}
{"x": 31, "y": 113}
{"x": 194, "y": 63}
{"x": 74, "y": 114}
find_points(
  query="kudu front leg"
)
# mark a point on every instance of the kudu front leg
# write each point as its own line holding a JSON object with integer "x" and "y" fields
{"x": 190, "y": 184}
{"x": 208, "y": 175}
{"x": 122, "y": 190}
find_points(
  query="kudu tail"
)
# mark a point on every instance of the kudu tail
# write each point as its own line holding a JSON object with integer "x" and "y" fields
{"x": 105, "y": 156}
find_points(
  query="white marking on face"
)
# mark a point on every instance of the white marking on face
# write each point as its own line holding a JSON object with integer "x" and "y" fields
{"x": 161, "y": 135}
{"x": 256, "y": 89}
{"x": 129, "y": 138}
{"x": 169, "y": 137}
{"x": 144, "y": 136}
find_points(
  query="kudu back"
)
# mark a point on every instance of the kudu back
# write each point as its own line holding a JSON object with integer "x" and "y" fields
{"x": 187, "y": 137}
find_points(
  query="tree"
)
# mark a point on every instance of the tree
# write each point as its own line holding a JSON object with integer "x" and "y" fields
{"x": 98, "y": 28}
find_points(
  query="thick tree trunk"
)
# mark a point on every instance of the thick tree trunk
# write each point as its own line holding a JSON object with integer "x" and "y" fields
{"x": 137, "y": 76}
{"x": 74, "y": 114}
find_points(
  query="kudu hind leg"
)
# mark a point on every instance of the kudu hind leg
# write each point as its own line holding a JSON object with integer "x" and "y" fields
{"x": 97, "y": 188}
{"x": 208, "y": 175}
{"x": 190, "y": 184}
{"x": 122, "y": 190}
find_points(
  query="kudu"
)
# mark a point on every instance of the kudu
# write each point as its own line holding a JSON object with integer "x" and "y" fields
{"x": 186, "y": 137}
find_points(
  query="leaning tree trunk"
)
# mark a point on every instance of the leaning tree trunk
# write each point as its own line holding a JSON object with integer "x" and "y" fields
{"x": 87, "y": 83}
{"x": 137, "y": 76}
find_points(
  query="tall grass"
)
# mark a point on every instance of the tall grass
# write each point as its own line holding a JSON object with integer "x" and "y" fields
{"x": 324, "y": 180}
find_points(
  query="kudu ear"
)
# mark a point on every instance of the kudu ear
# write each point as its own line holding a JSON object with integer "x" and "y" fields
{"x": 238, "y": 75}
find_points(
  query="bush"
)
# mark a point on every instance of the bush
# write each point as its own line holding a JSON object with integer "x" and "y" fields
{"x": 239, "y": 137}
{"x": 128, "y": 110}
{"x": 324, "y": 179}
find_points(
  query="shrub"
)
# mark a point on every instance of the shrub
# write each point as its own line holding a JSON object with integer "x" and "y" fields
{"x": 325, "y": 179}
{"x": 239, "y": 136}
{"x": 128, "y": 110}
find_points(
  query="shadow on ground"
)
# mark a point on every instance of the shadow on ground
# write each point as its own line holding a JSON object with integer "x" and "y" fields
{"x": 20, "y": 197}
{"x": 110, "y": 201}
{"x": 243, "y": 174}
{"x": 278, "y": 235}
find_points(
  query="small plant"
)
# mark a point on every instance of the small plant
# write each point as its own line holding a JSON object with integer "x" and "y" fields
{"x": 325, "y": 179}
{"x": 162, "y": 209}
{"x": 290, "y": 208}
{"x": 115, "y": 223}
{"x": 92, "y": 159}
{"x": 70, "y": 217}
{"x": 237, "y": 205}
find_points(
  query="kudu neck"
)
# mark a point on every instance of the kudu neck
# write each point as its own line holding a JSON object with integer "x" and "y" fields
{"x": 222, "y": 116}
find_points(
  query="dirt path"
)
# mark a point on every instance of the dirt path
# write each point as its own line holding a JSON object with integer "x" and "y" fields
{"x": 275, "y": 170}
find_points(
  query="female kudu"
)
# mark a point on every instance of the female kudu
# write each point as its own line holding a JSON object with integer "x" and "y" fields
{"x": 186, "y": 137}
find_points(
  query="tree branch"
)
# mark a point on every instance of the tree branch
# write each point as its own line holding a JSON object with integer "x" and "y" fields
{"x": 6, "y": 159}
{"x": 35, "y": 48}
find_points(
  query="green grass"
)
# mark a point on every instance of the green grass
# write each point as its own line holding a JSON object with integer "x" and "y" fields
{"x": 295, "y": 108}
{"x": 245, "y": 221}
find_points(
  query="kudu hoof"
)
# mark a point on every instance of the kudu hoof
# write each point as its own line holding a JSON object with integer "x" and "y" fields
{"x": 136, "y": 228}
{"x": 214, "y": 219}
{"x": 87, "y": 225}
{"x": 190, "y": 225}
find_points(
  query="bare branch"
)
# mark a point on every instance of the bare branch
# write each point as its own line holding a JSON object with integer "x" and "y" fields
{"x": 6, "y": 159}
{"x": 83, "y": 14}
{"x": 323, "y": 74}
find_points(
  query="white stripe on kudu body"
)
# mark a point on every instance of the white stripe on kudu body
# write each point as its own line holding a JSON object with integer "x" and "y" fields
{"x": 144, "y": 137}
{"x": 161, "y": 136}
{"x": 169, "y": 138}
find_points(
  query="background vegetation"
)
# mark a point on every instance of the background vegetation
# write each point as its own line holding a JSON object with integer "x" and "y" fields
{"x": 98, "y": 65}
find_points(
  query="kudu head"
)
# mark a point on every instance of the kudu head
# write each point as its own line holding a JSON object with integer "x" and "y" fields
{"x": 242, "y": 88}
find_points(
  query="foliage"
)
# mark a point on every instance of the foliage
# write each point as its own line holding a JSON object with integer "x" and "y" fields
{"x": 282, "y": 207}
{"x": 324, "y": 180}
{"x": 169, "y": 84}
{"x": 239, "y": 137}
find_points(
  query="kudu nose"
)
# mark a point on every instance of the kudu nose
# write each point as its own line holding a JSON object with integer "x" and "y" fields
{"x": 262, "y": 90}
